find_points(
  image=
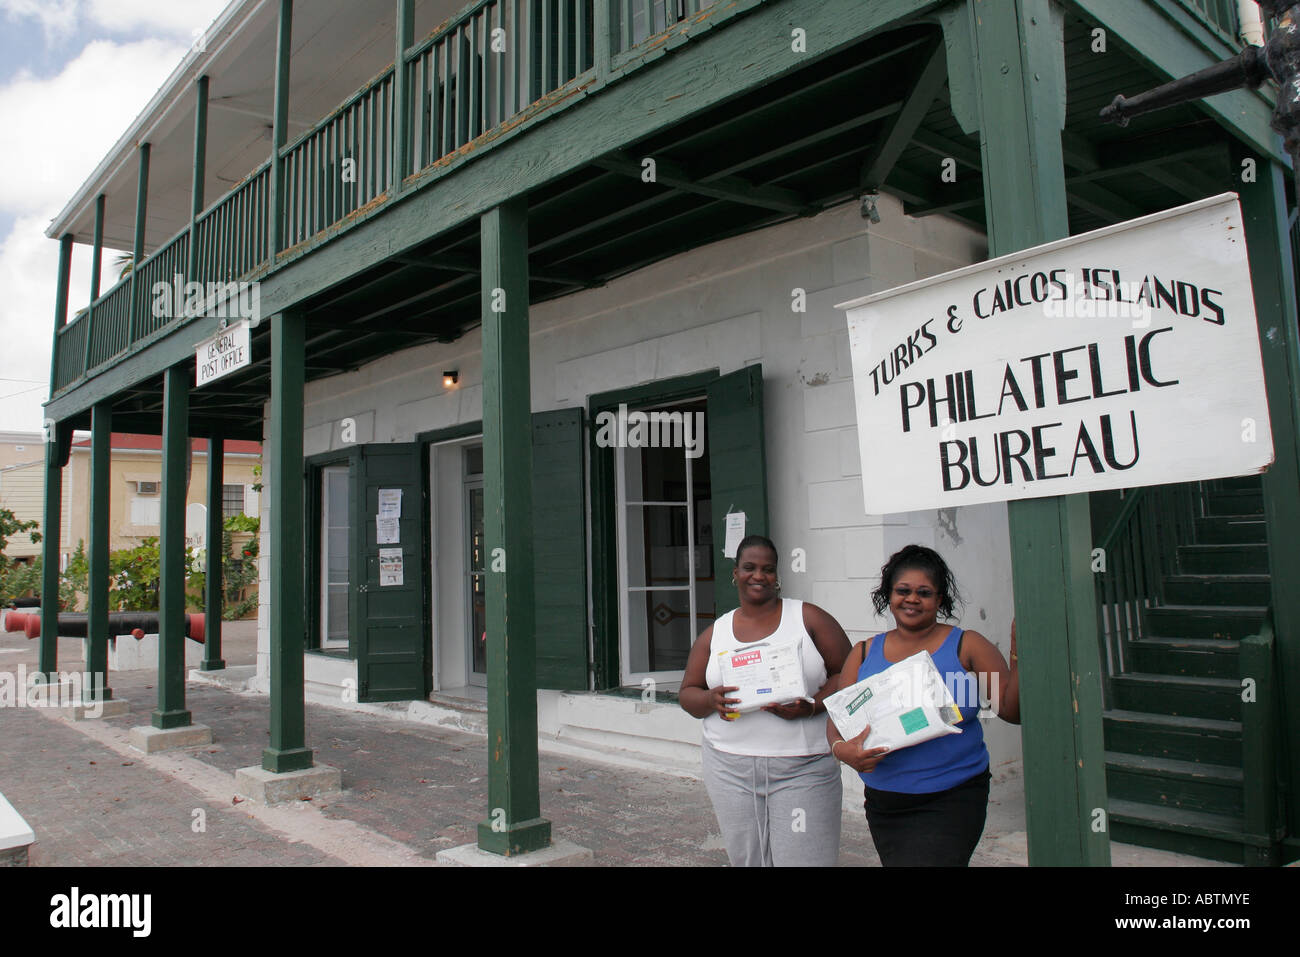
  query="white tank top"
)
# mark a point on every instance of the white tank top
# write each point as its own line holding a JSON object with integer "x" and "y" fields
{"x": 760, "y": 733}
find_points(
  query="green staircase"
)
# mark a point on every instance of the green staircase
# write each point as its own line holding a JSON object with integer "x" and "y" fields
{"x": 1183, "y": 617}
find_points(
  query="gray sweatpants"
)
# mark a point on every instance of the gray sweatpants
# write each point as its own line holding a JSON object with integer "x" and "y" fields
{"x": 776, "y": 812}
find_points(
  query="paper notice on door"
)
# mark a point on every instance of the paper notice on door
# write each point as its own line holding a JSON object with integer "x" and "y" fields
{"x": 390, "y": 567}
{"x": 386, "y": 531}
{"x": 390, "y": 503}
{"x": 735, "y": 532}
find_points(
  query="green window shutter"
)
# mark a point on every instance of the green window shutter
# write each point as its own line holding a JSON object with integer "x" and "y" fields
{"x": 393, "y": 649}
{"x": 737, "y": 466}
{"x": 560, "y": 550}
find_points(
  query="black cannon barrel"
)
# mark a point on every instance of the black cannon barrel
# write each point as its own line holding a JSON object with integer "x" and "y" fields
{"x": 72, "y": 624}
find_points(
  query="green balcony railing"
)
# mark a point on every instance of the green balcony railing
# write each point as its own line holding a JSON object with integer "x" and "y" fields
{"x": 340, "y": 165}
{"x": 466, "y": 79}
{"x": 165, "y": 267}
{"x": 1138, "y": 549}
{"x": 231, "y": 236}
{"x": 1219, "y": 14}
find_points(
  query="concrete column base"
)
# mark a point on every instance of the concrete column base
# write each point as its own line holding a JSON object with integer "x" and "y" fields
{"x": 151, "y": 740}
{"x": 14, "y": 857}
{"x": 112, "y": 708}
{"x": 267, "y": 787}
{"x": 561, "y": 853}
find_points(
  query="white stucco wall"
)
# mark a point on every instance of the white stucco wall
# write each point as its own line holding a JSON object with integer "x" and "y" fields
{"x": 724, "y": 306}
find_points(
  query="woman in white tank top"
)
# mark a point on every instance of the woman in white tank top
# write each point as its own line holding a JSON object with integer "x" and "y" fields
{"x": 774, "y": 785}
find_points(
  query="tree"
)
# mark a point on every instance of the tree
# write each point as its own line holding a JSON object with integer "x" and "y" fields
{"x": 15, "y": 577}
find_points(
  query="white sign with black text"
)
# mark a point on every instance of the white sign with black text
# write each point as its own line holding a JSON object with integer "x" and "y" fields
{"x": 225, "y": 352}
{"x": 1123, "y": 357}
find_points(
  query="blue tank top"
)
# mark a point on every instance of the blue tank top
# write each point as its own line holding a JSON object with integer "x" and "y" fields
{"x": 940, "y": 763}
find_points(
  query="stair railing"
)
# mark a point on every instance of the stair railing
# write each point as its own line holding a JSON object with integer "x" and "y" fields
{"x": 1260, "y": 724}
{"x": 1137, "y": 550}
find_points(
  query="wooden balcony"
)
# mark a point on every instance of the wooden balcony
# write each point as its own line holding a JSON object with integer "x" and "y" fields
{"x": 470, "y": 87}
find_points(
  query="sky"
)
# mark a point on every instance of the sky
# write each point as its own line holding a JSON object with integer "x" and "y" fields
{"x": 73, "y": 76}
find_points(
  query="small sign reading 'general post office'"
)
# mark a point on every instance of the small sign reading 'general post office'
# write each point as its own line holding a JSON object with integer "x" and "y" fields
{"x": 1123, "y": 357}
{"x": 223, "y": 353}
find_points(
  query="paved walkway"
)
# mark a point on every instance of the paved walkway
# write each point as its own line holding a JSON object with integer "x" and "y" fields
{"x": 411, "y": 791}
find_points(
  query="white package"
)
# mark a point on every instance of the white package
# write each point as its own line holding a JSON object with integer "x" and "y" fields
{"x": 905, "y": 704}
{"x": 764, "y": 673}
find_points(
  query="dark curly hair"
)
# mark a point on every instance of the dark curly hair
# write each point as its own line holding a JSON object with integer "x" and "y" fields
{"x": 751, "y": 541}
{"x": 922, "y": 559}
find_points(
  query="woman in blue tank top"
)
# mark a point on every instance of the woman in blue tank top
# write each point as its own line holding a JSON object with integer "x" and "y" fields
{"x": 926, "y": 804}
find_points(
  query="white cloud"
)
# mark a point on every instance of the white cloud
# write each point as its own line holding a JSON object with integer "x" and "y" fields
{"x": 61, "y": 127}
{"x": 57, "y": 17}
{"x": 186, "y": 20}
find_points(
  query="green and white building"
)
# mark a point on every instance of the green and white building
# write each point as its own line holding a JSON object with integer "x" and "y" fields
{"x": 472, "y": 232}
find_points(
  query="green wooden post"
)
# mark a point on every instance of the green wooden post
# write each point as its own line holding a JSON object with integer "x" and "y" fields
{"x": 402, "y": 94}
{"x": 1020, "y": 90}
{"x": 279, "y": 129}
{"x": 212, "y": 603}
{"x": 514, "y": 823}
{"x": 1268, "y": 241}
{"x": 199, "y": 172}
{"x": 96, "y": 259}
{"x": 171, "y": 711}
{"x": 97, "y": 250}
{"x": 137, "y": 246}
{"x": 602, "y": 38}
{"x": 288, "y": 751}
{"x": 56, "y": 456}
{"x": 97, "y": 636}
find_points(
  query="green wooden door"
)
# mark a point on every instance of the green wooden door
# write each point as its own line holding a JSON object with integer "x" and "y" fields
{"x": 392, "y": 653}
{"x": 560, "y": 550}
{"x": 737, "y": 466}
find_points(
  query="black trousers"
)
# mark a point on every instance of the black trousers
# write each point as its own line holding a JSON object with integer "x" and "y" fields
{"x": 928, "y": 830}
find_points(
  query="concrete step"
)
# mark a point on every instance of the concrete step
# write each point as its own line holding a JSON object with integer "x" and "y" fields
{"x": 1203, "y": 621}
{"x": 1216, "y": 589}
{"x": 1234, "y": 559}
{"x": 1200, "y": 740}
{"x": 1169, "y": 782}
{"x": 1231, "y": 529}
{"x": 1218, "y": 837}
{"x": 1194, "y": 697}
{"x": 1192, "y": 657}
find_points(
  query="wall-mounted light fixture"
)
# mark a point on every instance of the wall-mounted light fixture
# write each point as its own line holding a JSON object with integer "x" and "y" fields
{"x": 450, "y": 378}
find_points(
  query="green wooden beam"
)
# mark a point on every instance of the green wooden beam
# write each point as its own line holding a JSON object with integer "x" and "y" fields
{"x": 885, "y": 152}
{"x": 57, "y": 446}
{"x": 1156, "y": 37}
{"x": 199, "y": 172}
{"x": 212, "y": 582}
{"x": 1079, "y": 152}
{"x": 1020, "y": 93}
{"x": 171, "y": 711}
{"x": 1268, "y": 242}
{"x": 137, "y": 244}
{"x": 401, "y": 152}
{"x": 1102, "y": 203}
{"x": 55, "y": 458}
{"x": 463, "y": 264}
{"x": 731, "y": 188}
{"x": 944, "y": 147}
{"x": 288, "y": 750}
{"x": 97, "y": 248}
{"x": 96, "y": 259}
{"x": 1191, "y": 184}
{"x": 97, "y": 636}
{"x": 514, "y": 824}
{"x": 279, "y": 129}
